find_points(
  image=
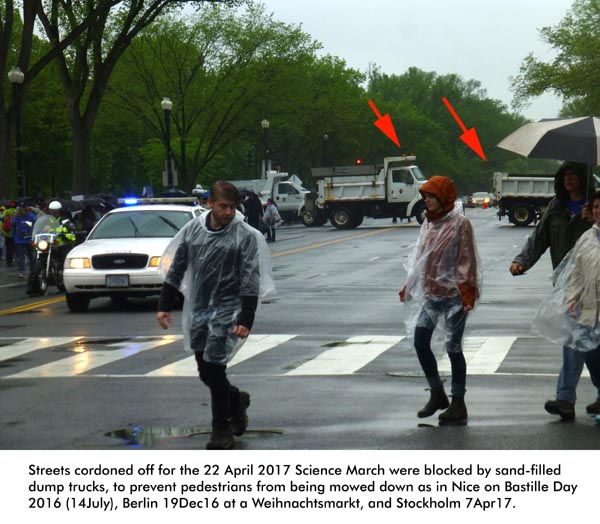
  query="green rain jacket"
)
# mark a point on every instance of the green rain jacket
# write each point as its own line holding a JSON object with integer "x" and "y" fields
{"x": 556, "y": 230}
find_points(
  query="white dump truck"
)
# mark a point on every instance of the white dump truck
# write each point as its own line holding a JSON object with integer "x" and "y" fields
{"x": 286, "y": 191}
{"x": 523, "y": 198}
{"x": 347, "y": 194}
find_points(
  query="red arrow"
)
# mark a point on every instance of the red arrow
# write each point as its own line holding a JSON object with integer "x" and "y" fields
{"x": 384, "y": 124}
{"x": 468, "y": 137}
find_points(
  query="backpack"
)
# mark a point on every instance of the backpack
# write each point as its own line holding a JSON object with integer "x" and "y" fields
{"x": 7, "y": 223}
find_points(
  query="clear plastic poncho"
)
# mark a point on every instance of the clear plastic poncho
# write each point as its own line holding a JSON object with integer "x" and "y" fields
{"x": 213, "y": 269}
{"x": 443, "y": 265}
{"x": 570, "y": 315}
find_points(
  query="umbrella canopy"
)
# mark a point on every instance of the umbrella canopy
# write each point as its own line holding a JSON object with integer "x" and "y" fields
{"x": 574, "y": 139}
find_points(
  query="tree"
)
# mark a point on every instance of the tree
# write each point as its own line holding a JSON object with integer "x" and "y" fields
{"x": 17, "y": 39}
{"x": 574, "y": 73}
{"x": 223, "y": 73}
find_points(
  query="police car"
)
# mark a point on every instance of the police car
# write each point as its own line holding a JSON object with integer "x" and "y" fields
{"x": 121, "y": 256}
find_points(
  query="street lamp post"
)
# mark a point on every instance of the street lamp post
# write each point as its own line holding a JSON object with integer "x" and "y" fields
{"x": 16, "y": 77}
{"x": 167, "y": 105}
{"x": 265, "y": 125}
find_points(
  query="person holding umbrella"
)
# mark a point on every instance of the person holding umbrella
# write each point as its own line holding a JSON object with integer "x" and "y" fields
{"x": 566, "y": 218}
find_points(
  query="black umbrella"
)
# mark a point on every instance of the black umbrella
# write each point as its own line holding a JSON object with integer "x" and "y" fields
{"x": 574, "y": 139}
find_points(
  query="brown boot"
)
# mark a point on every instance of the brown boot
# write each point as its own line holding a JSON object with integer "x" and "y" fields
{"x": 562, "y": 408}
{"x": 221, "y": 438}
{"x": 456, "y": 413}
{"x": 437, "y": 400}
{"x": 593, "y": 408}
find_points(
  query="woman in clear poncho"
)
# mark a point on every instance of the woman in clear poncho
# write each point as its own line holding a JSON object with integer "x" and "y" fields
{"x": 571, "y": 316}
{"x": 443, "y": 283}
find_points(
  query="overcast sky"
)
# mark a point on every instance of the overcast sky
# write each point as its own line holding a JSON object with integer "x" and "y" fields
{"x": 484, "y": 40}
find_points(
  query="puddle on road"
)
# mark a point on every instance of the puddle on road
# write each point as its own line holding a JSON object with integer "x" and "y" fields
{"x": 138, "y": 437}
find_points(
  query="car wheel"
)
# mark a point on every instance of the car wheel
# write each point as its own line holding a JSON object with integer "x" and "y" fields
{"x": 77, "y": 303}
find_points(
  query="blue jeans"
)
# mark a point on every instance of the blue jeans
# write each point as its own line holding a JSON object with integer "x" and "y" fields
{"x": 571, "y": 369}
{"x": 22, "y": 251}
{"x": 455, "y": 318}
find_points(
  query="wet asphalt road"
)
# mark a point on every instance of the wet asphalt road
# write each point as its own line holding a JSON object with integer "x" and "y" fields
{"x": 327, "y": 365}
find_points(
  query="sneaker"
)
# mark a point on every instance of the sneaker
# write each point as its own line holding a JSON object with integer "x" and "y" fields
{"x": 563, "y": 408}
{"x": 239, "y": 421}
{"x": 593, "y": 408}
{"x": 221, "y": 438}
{"x": 22, "y": 275}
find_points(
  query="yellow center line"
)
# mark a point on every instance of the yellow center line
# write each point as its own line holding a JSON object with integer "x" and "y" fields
{"x": 42, "y": 303}
{"x": 27, "y": 307}
{"x": 331, "y": 242}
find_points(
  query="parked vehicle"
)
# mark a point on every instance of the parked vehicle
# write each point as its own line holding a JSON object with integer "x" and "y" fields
{"x": 286, "y": 191}
{"x": 121, "y": 255}
{"x": 523, "y": 198}
{"x": 348, "y": 194}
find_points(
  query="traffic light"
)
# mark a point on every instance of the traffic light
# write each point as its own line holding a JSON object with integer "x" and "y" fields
{"x": 250, "y": 159}
{"x": 358, "y": 162}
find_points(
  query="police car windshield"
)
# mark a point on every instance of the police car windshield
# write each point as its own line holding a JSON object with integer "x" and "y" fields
{"x": 140, "y": 224}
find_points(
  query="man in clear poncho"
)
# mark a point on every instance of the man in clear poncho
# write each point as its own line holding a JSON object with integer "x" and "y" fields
{"x": 222, "y": 266}
{"x": 571, "y": 316}
{"x": 444, "y": 280}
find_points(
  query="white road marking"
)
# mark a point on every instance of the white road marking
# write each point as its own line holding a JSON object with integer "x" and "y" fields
{"x": 255, "y": 345}
{"x": 85, "y": 360}
{"x": 33, "y": 344}
{"x": 348, "y": 357}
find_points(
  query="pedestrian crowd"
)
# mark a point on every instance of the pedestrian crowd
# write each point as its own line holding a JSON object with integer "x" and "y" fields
{"x": 17, "y": 223}
{"x": 221, "y": 265}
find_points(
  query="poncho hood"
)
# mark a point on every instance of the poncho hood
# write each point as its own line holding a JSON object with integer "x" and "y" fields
{"x": 443, "y": 188}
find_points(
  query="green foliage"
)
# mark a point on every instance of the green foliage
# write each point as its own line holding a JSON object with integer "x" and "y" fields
{"x": 574, "y": 73}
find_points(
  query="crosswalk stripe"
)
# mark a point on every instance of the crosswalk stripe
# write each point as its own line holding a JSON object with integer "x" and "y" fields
{"x": 483, "y": 355}
{"x": 348, "y": 357}
{"x": 33, "y": 344}
{"x": 255, "y": 345}
{"x": 86, "y": 360}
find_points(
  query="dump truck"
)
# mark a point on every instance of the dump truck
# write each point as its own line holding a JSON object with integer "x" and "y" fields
{"x": 523, "y": 198}
{"x": 347, "y": 194}
{"x": 286, "y": 191}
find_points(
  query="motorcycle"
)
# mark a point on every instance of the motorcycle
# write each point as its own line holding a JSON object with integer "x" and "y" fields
{"x": 48, "y": 268}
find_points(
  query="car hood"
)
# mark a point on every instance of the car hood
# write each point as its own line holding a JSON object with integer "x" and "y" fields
{"x": 149, "y": 246}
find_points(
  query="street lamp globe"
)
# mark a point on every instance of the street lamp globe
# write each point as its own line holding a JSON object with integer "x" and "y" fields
{"x": 15, "y": 75}
{"x": 166, "y": 104}
{"x": 265, "y": 123}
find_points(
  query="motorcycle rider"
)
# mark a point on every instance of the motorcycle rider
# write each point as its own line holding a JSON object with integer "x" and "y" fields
{"x": 56, "y": 223}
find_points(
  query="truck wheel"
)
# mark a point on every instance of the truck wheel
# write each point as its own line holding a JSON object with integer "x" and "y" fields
{"x": 419, "y": 213}
{"x": 357, "y": 219}
{"x": 77, "y": 303}
{"x": 341, "y": 218}
{"x": 522, "y": 216}
{"x": 309, "y": 220}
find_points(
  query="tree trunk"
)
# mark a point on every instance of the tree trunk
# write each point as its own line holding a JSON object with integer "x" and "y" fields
{"x": 6, "y": 171}
{"x": 82, "y": 164}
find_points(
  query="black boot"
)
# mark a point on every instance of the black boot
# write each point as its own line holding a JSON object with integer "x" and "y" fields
{"x": 456, "y": 413}
{"x": 239, "y": 421}
{"x": 221, "y": 438}
{"x": 437, "y": 400}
